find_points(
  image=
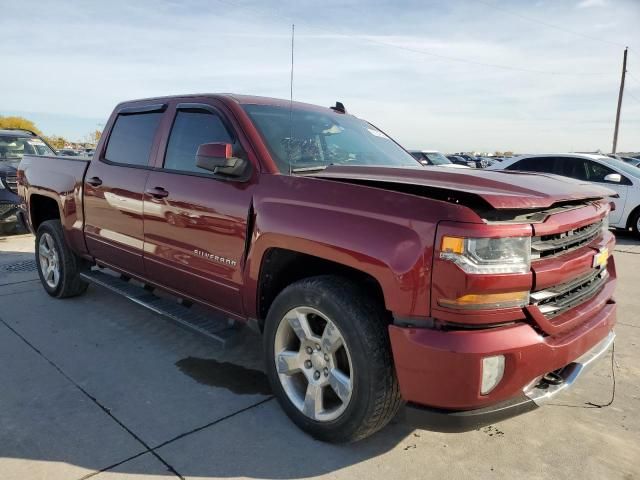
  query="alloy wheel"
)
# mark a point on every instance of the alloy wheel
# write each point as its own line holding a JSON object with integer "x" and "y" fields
{"x": 49, "y": 260}
{"x": 313, "y": 364}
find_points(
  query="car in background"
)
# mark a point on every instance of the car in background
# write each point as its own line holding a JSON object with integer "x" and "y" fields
{"x": 477, "y": 161}
{"x": 67, "y": 152}
{"x": 630, "y": 160}
{"x": 14, "y": 144}
{"x": 434, "y": 158}
{"x": 615, "y": 174}
{"x": 457, "y": 159}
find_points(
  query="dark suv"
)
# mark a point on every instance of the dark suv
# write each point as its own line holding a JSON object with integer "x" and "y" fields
{"x": 13, "y": 145}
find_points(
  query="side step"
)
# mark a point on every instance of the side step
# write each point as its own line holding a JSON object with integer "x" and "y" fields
{"x": 217, "y": 329}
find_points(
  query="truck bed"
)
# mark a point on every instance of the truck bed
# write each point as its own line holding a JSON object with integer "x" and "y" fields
{"x": 56, "y": 179}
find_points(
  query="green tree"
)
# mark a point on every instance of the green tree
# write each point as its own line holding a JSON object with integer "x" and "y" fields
{"x": 56, "y": 141}
{"x": 93, "y": 137}
{"x": 18, "y": 122}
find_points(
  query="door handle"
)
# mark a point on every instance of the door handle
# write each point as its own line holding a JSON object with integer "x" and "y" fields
{"x": 94, "y": 181}
{"x": 157, "y": 192}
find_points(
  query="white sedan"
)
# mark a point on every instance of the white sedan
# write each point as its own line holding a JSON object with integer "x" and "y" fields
{"x": 615, "y": 174}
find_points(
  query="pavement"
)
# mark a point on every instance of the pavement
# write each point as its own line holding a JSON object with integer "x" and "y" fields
{"x": 97, "y": 387}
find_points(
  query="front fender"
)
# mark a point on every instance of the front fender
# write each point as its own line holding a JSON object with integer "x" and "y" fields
{"x": 393, "y": 249}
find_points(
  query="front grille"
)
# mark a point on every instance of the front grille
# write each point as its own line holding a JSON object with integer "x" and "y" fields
{"x": 559, "y": 299}
{"x": 11, "y": 182}
{"x": 559, "y": 243}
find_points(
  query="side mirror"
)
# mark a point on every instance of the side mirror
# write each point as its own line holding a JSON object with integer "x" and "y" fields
{"x": 221, "y": 158}
{"x": 613, "y": 178}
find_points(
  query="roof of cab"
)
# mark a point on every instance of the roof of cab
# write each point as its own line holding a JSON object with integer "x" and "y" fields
{"x": 233, "y": 97}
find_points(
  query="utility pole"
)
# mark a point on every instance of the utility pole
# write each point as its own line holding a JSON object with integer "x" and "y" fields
{"x": 624, "y": 72}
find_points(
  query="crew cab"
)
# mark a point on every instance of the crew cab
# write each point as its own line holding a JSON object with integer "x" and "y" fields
{"x": 457, "y": 297}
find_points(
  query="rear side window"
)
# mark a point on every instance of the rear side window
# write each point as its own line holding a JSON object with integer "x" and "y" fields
{"x": 535, "y": 164}
{"x": 131, "y": 139}
{"x": 191, "y": 129}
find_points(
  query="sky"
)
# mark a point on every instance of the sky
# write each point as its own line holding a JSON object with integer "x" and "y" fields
{"x": 460, "y": 75}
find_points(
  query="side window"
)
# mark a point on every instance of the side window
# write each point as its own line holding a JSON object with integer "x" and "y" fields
{"x": 534, "y": 164}
{"x": 596, "y": 171}
{"x": 131, "y": 138}
{"x": 191, "y": 129}
{"x": 573, "y": 167}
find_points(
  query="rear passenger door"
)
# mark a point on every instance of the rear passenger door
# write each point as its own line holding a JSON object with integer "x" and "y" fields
{"x": 113, "y": 188}
{"x": 195, "y": 230}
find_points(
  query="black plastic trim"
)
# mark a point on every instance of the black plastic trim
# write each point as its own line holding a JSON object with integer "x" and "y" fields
{"x": 452, "y": 421}
{"x": 156, "y": 107}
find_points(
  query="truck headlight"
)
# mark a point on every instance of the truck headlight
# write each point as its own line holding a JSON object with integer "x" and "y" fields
{"x": 488, "y": 255}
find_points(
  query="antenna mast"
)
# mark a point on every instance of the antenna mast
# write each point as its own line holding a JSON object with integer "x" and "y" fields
{"x": 293, "y": 32}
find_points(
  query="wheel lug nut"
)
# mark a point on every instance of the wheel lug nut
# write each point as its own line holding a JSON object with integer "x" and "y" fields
{"x": 318, "y": 346}
{"x": 307, "y": 364}
{"x": 316, "y": 375}
{"x": 326, "y": 372}
{"x": 309, "y": 350}
{"x": 326, "y": 357}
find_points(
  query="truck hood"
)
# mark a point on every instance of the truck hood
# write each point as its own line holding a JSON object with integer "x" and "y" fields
{"x": 8, "y": 166}
{"x": 499, "y": 189}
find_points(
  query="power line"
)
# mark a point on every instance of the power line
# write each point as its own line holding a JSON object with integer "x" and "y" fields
{"x": 370, "y": 40}
{"x": 546, "y": 24}
{"x": 633, "y": 96}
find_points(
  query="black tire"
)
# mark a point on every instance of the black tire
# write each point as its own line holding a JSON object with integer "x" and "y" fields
{"x": 633, "y": 221}
{"x": 375, "y": 397}
{"x": 70, "y": 265}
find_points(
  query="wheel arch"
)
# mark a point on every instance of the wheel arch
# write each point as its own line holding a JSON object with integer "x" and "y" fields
{"x": 281, "y": 267}
{"x": 41, "y": 209}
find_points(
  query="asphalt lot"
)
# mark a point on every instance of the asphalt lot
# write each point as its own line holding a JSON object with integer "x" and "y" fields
{"x": 98, "y": 387}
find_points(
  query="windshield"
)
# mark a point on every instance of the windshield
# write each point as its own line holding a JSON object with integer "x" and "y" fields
{"x": 308, "y": 140}
{"x": 437, "y": 158}
{"x": 13, "y": 148}
{"x": 625, "y": 167}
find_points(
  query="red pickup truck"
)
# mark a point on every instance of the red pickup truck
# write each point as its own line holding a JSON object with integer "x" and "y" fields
{"x": 459, "y": 297}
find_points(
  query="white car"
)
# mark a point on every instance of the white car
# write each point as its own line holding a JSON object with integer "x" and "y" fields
{"x": 615, "y": 174}
{"x": 435, "y": 158}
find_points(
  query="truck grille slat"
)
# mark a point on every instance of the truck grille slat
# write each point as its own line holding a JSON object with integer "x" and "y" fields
{"x": 556, "y": 300}
{"x": 559, "y": 243}
{"x": 11, "y": 182}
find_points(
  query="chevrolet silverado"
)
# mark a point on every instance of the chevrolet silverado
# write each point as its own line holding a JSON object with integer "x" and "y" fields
{"x": 456, "y": 297}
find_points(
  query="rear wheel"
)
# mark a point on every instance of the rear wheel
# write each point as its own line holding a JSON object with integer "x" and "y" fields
{"x": 329, "y": 360}
{"x": 58, "y": 267}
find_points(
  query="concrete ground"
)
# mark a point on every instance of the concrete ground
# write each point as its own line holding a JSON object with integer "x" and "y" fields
{"x": 97, "y": 387}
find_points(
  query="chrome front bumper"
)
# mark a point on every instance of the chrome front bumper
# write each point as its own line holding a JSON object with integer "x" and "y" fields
{"x": 542, "y": 392}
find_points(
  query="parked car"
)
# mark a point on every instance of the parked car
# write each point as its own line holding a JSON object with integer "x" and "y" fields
{"x": 67, "y": 152}
{"x": 434, "y": 158}
{"x": 13, "y": 145}
{"x": 461, "y": 161}
{"x": 477, "y": 161}
{"x": 597, "y": 169}
{"x": 631, "y": 161}
{"x": 378, "y": 285}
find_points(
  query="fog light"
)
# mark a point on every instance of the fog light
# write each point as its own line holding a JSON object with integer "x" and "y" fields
{"x": 492, "y": 370}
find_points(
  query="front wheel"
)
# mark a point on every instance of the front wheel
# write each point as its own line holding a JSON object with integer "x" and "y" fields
{"x": 58, "y": 267}
{"x": 329, "y": 360}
